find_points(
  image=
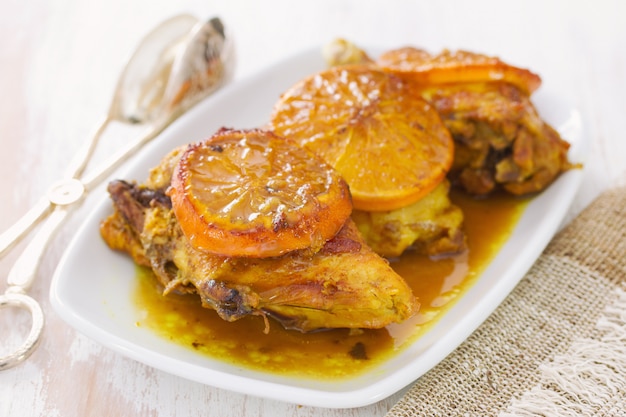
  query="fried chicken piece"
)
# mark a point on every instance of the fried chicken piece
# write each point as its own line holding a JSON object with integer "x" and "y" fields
{"x": 343, "y": 285}
{"x": 432, "y": 226}
{"x": 501, "y": 140}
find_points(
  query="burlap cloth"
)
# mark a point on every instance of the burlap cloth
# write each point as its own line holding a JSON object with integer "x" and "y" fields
{"x": 557, "y": 345}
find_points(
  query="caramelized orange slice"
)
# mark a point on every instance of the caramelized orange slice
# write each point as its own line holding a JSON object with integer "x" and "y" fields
{"x": 455, "y": 67}
{"x": 254, "y": 194}
{"x": 386, "y": 141}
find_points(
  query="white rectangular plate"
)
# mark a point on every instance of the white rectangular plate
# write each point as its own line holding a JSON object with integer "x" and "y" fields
{"x": 92, "y": 286}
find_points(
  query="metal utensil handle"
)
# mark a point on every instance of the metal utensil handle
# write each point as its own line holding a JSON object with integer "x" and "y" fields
{"x": 15, "y": 233}
{"x": 23, "y": 272}
{"x": 94, "y": 177}
{"x": 25, "y": 224}
{"x": 20, "y": 279}
{"x": 13, "y": 298}
{"x": 78, "y": 164}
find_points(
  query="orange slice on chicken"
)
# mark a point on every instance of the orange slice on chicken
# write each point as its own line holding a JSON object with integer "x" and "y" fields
{"x": 250, "y": 193}
{"x": 455, "y": 67}
{"x": 389, "y": 144}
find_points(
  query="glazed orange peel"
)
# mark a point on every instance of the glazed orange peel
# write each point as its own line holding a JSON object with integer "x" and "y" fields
{"x": 455, "y": 67}
{"x": 251, "y": 193}
{"x": 388, "y": 143}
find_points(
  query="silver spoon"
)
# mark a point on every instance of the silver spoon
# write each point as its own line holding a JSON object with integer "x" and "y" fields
{"x": 175, "y": 66}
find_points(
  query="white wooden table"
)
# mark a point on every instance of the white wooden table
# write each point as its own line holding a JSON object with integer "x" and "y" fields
{"x": 59, "y": 62}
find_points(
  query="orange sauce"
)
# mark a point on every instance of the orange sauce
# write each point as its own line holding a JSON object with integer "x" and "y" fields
{"x": 335, "y": 354}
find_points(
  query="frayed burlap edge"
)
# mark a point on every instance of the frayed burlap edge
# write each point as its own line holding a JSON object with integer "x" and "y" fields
{"x": 557, "y": 304}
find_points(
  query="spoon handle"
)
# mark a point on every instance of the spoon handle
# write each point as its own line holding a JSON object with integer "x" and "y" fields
{"x": 23, "y": 271}
{"x": 15, "y": 233}
{"x": 94, "y": 177}
{"x": 79, "y": 162}
{"x": 25, "y": 224}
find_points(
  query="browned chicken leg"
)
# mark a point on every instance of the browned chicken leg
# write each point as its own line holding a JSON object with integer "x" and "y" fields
{"x": 343, "y": 285}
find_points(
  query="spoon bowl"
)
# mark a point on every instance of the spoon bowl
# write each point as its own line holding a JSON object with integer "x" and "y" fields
{"x": 141, "y": 86}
